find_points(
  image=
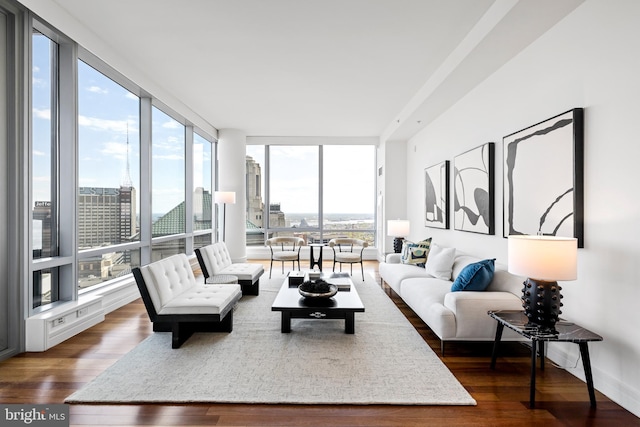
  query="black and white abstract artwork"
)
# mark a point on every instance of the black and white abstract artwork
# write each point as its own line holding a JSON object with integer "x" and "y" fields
{"x": 473, "y": 187}
{"x": 436, "y": 195}
{"x": 543, "y": 178}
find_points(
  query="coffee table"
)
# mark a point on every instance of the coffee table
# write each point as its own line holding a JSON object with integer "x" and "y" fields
{"x": 343, "y": 305}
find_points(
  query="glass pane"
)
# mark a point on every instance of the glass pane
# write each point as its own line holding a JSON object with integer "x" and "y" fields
{"x": 45, "y": 287}
{"x": 294, "y": 187}
{"x": 255, "y": 190}
{"x": 349, "y": 213}
{"x": 202, "y": 240}
{"x": 202, "y": 201}
{"x": 95, "y": 270}
{"x": 165, "y": 249}
{"x": 108, "y": 161}
{"x": 168, "y": 176}
{"x": 43, "y": 157}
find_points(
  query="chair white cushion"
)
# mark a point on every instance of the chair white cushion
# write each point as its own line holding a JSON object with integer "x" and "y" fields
{"x": 347, "y": 257}
{"x": 216, "y": 258}
{"x": 244, "y": 271}
{"x": 285, "y": 255}
{"x": 168, "y": 278}
{"x": 210, "y": 299}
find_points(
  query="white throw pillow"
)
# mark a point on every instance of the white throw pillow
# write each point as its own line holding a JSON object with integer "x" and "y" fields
{"x": 440, "y": 262}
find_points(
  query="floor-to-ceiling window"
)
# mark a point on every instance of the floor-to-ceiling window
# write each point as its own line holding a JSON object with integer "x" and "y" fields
{"x": 108, "y": 178}
{"x": 202, "y": 194}
{"x": 44, "y": 167}
{"x": 348, "y": 191}
{"x": 317, "y": 192}
{"x": 168, "y": 184}
{"x": 293, "y": 190}
{"x": 109, "y": 183}
{"x": 255, "y": 195}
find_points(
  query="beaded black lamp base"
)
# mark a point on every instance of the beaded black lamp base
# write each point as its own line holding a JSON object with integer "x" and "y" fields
{"x": 541, "y": 301}
{"x": 397, "y": 244}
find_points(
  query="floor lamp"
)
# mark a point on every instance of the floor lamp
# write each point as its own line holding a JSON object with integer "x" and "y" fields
{"x": 224, "y": 198}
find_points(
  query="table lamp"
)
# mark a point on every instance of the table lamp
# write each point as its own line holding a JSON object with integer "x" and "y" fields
{"x": 543, "y": 259}
{"x": 224, "y": 198}
{"x": 398, "y": 229}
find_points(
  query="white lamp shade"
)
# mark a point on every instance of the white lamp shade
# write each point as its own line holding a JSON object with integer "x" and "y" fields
{"x": 547, "y": 258}
{"x": 398, "y": 227}
{"x": 228, "y": 197}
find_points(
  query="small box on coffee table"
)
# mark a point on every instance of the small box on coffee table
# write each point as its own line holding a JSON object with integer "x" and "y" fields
{"x": 296, "y": 278}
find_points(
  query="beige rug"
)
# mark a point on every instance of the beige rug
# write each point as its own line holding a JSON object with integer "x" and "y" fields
{"x": 384, "y": 362}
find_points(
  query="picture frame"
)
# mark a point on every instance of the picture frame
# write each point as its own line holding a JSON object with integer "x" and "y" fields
{"x": 436, "y": 195}
{"x": 473, "y": 187}
{"x": 544, "y": 178}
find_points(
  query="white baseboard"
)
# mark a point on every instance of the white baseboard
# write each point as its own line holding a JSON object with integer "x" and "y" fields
{"x": 613, "y": 388}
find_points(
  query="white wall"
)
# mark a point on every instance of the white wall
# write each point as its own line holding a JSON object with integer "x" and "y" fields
{"x": 590, "y": 59}
{"x": 391, "y": 158}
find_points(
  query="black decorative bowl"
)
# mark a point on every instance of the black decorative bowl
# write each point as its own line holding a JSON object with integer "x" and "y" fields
{"x": 317, "y": 289}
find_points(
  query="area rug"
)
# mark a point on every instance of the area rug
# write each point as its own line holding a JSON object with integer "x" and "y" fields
{"x": 384, "y": 362}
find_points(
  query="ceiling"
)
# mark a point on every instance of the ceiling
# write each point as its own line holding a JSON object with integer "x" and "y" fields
{"x": 313, "y": 67}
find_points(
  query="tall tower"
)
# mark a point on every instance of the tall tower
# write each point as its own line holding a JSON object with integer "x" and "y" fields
{"x": 127, "y": 202}
{"x": 254, "y": 197}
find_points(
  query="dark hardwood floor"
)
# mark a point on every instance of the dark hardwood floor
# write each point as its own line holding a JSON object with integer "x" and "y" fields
{"x": 502, "y": 395}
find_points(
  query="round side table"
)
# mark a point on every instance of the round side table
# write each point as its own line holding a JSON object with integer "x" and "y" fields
{"x": 222, "y": 279}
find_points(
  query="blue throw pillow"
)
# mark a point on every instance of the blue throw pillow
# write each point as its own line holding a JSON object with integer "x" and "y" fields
{"x": 475, "y": 277}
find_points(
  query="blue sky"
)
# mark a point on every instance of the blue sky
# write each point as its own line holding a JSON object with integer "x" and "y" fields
{"x": 294, "y": 177}
{"x": 108, "y": 115}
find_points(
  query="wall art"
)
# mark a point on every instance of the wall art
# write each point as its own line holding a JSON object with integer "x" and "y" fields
{"x": 473, "y": 188}
{"x": 436, "y": 195}
{"x": 543, "y": 178}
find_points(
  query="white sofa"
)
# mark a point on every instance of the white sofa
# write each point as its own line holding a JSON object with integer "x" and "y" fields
{"x": 454, "y": 316}
{"x": 215, "y": 260}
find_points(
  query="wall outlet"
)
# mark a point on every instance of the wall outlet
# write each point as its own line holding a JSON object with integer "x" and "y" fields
{"x": 58, "y": 321}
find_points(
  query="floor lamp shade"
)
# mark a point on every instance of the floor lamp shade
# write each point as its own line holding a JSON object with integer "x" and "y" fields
{"x": 544, "y": 260}
{"x": 399, "y": 229}
{"x": 226, "y": 197}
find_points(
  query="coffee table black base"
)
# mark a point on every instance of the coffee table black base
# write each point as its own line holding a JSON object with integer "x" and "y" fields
{"x": 318, "y": 313}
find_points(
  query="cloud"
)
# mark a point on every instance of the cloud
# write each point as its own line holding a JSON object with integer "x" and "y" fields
{"x": 172, "y": 124}
{"x": 130, "y": 95}
{"x": 39, "y": 82}
{"x": 119, "y": 126}
{"x": 117, "y": 150}
{"x": 39, "y": 153}
{"x": 44, "y": 113}
{"x": 97, "y": 89}
{"x": 169, "y": 157}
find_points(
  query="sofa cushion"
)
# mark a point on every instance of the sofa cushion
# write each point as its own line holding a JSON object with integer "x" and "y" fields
{"x": 395, "y": 274}
{"x": 440, "y": 262}
{"x": 416, "y": 253}
{"x": 475, "y": 276}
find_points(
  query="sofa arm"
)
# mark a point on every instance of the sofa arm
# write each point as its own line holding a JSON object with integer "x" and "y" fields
{"x": 470, "y": 309}
{"x": 393, "y": 258}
